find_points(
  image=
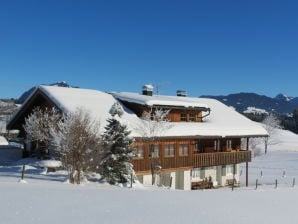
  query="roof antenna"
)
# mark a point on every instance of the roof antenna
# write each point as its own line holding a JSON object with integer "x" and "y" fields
{"x": 158, "y": 85}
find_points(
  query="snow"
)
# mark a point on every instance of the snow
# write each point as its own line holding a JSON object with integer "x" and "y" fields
{"x": 96, "y": 102}
{"x": 3, "y": 141}
{"x": 254, "y": 110}
{"x": 48, "y": 199}
{"x": 223, "y": 121}
{"x": 49, "y": 163}
{"x": 286, "y": 141}
{"x": 154, "y": 100}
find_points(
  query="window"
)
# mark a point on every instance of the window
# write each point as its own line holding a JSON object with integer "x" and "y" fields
{"x": 229, "y": 144}
{"x": 229, "y": 169}
{"x": 154, "y": 151}
{"x": 197, "y": 147}
{"x": 169, "y": 150}
{"x": 139, "y": 151}
{"x": 183, "y": 150}
{"x": 215, "y": 145}
{"x": 183, "y": 117}
{"x": 196, "y": 173}
{"x": 192, "y": 117}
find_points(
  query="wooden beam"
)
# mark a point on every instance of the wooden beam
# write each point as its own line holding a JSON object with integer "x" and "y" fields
{"x": 266, "y": 144}
{"x": 247, "y": 145}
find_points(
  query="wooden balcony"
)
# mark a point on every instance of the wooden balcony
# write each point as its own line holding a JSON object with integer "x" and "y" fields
{"x": 192, "y": 161}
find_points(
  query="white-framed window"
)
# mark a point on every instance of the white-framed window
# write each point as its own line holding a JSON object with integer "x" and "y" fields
{"x": 196, "y": 173}
{"x": 183, "y": 150}
{"x": 154, "y": 151}
{"x": 229, "y": 144}
{"x": 229, "y": 169}
{"x": 192, "y": 117}
{"x": 215, "y": 145}
{"x": 183, "y": 117}
{"x": 169, "y": 150}
{"x": 139, "y": 152}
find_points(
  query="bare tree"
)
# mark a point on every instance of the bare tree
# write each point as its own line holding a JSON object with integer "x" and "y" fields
{"x": 271, "y": 124}
{"x": 38, "y": 126}
{"x": 153, "y": 124}
{"x": 78, "y": 142}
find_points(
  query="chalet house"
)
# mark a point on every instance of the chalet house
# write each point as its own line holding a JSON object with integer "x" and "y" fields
{"x": 203, "y": 139}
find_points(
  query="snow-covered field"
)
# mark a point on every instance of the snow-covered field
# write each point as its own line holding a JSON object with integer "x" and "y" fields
{"x": 47, "y": 199}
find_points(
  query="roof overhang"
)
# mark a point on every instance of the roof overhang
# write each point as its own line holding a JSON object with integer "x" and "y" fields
{"x": 194, "y": 137}
{"x": 24, "y": 110}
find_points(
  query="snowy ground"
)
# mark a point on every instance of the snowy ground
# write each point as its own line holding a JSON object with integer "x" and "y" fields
{"x": 47, "y": 199}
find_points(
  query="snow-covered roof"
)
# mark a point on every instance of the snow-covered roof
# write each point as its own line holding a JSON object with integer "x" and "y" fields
{"x": 154, "y": 100}
{"x": 223, "y": 121}
{"x": 97, "y": 103}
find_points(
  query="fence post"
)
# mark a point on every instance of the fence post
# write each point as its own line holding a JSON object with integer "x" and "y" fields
{"x": 171, "y": 180}
{"x": 23, "y": 172}
{"x": 294, "y": 182}
{"x": 275, "y": 183}
{"x": 131, "y": 179}
{"x": 256, "y": 184}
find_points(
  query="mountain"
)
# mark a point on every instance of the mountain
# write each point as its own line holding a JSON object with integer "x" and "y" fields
{"x": 26, "y": 94}
{"x": 280, "y": 104}
{"x": 284, "y": 97}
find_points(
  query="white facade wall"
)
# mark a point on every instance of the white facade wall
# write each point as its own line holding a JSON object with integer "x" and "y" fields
{"x": 146, "y": 179}
{"x": 226, "y": 173}
{"x": 186, "y": 180}
{"x": 219, "y": 174}
{"x": 182, "y": 179}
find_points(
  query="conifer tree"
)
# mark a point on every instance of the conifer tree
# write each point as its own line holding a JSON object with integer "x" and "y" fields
{"x": 116, "y": 166}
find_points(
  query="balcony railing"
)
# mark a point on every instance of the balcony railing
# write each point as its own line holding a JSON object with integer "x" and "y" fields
{"x": 193, "y": 161}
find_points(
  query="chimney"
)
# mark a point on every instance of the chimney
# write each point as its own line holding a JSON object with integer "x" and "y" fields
{"x": 181, "y": 93}
{"x": 147, "y": 90}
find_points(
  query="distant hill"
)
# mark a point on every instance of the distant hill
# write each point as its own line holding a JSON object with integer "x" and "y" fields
{"x": 280, "y": 104}
{"x": 26, "y": 94}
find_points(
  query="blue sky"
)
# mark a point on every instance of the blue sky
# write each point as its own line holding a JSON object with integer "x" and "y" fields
{"x": 204, "y": 47}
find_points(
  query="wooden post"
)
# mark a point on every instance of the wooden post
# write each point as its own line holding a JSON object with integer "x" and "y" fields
{"x": 152, "y": 173}
{"x": 171, "y": 180}
{"x": 266, "y": 144}
{"x": 275, "y": 183}
{"x": 247, "y": 145}
{"x": 131, "y": 179}
{"x": 234, "y": 168}
{"x": 293, "y": 185}
{"x": 256, "y": 184}
{"x": 23, "y": 172}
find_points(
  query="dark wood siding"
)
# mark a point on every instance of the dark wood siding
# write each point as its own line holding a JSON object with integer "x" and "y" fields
{"x": 207, "y": 155}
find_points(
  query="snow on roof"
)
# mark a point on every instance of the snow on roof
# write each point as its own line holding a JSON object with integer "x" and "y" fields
{"x": 97, "y": 103}
{"x": 3, "y": 141}
{"x": 223, "y": 121}
{"x": 159, "y": 100}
